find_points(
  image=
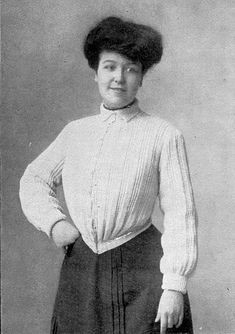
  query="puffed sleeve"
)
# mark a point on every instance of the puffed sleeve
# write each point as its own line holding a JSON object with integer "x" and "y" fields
{"x": 177, "y": 204}
{"x": 38, "y": 185}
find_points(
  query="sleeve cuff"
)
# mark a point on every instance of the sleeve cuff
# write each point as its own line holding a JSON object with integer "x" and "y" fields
{"x": 47, "y": 228}
{"x": 52, "y": 226}
{"x": 174, "y": 282}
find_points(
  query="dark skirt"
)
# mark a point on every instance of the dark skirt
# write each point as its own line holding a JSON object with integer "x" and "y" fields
{"x": 116, "y": 292}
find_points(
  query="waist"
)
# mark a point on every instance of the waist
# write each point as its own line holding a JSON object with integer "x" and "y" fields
{"x": 100, "y": 246}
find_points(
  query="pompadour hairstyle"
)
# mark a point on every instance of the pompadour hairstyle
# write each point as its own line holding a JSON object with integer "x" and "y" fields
{"x": 136, "y": 42}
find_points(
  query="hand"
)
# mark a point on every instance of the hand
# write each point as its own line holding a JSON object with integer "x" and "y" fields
{"x": 64, "y": 233}
{"x": 170, "y": 310}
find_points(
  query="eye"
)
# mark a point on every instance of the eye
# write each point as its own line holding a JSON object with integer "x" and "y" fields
{"x": 132, "y": 69}
{"x": 109, "y": 67}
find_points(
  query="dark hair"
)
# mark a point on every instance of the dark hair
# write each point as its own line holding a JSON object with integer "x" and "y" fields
{"x": 137, "y": 42}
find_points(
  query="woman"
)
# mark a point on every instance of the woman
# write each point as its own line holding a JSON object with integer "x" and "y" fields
{"x": 113, "y": 167}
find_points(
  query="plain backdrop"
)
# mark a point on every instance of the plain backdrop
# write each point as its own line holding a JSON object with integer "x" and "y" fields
{"x": 47, "y": 83}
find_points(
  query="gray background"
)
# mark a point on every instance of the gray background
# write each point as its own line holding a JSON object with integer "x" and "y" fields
{"x": 47, "y": 83}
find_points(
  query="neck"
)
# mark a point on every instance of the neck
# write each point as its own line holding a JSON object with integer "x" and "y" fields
{"x": 126, "y": 106}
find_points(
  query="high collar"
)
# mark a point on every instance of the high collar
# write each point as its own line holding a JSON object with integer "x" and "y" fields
{"x": 123, "y": 113}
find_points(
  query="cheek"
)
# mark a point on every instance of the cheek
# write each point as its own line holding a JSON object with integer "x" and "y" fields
{"x": 134, "y": 83}
{"x": 134, "y": 86}
{"x": 103, "y": 81}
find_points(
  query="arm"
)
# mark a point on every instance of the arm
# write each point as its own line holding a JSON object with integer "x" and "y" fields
{"x": 179, "y": 237}
{"x": 177, "y": 204}
{"x": 38, "y": 186}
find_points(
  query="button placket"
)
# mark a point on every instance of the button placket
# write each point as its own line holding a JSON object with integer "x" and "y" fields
{"x": 94, "y": 181}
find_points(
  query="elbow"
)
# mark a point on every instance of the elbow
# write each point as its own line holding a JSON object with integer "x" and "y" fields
{"x": 26, "y": 188}
{"x": 23, "y": 185}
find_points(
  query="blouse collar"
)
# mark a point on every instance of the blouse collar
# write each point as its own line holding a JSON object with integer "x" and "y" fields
{"x": 124, "y": 113}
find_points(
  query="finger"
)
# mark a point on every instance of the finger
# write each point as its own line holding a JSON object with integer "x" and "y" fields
{"x": 180, "y": 321}
{"x": 176, "y": 320}
{"x": 170, "y": 321}
{"x": 65, "y": 248}
{"x": 163, "y": 324}
{"x": 158, "y": 317}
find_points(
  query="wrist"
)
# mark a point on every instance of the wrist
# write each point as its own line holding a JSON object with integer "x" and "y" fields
{"x": 176, "y": 291}
{"x": 176, "y": 282}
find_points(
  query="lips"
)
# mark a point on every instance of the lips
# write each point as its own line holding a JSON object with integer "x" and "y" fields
{"x": 118, "y": 89}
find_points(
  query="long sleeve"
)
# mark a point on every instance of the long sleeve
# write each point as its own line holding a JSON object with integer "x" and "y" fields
{"x": 38, "y": 185}
{"x": 177, "y": 204}
{"x": 108, "y": 164}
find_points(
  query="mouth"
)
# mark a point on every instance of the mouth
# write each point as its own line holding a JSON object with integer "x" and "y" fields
{"x": 118, "y": 89}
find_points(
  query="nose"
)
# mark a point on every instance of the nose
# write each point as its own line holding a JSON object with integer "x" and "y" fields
{"x": 119, "y": 76}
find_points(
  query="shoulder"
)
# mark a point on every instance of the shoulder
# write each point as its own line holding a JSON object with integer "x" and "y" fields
{"x": 80, "y": 125}
{"x": 82, "y": 122}
{"x": 160, "y": 126}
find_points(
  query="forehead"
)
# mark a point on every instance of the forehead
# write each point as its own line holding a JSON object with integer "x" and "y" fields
{"x": 116, "y": 57}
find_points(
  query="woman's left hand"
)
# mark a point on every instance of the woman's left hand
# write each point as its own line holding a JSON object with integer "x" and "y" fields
{"x": 170, "y": 310}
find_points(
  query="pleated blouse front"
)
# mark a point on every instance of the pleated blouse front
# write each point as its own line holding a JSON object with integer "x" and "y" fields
{"x": 113, "y": 166}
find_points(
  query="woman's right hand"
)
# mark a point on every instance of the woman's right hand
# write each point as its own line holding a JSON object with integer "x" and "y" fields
{"x": 64, "y": 233}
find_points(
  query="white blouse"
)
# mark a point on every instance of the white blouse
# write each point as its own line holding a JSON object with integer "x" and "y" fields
{"x": 113, "y": 166}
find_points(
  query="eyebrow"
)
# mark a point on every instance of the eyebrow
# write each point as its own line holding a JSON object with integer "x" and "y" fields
{"x": 108, "y": 60}
{"x": 115, "y": 62}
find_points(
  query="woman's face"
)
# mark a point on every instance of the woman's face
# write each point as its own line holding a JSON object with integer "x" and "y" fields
{"x": 118, "y": 78}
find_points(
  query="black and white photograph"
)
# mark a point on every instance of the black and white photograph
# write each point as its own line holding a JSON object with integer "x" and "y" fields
{"x": 118, "y": 167}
